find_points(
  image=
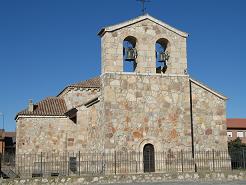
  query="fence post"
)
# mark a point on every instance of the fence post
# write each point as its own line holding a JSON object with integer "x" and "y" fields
{"x": 68, "y": 163}
{"x": 149, "y": 161}
{"x": 114, "y": 162}
{"x": 182, "y": 160}
{"x": 79, "y": 163}
{"x": 41, "y": 160}
{"x": 25, "y": 165}
{"x": 213, "y": 161}
{"x": 135, "y": 157}
{"x": 243, "y": 159}
{"x": 0, "y": 165}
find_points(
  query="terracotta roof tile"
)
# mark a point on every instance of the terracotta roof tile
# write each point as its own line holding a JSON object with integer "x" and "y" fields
{"x": 236, "y": 123}
{"x": 10, "y": 134}
{"x": 91, "y": 83}
{"x": 51, "y": 106}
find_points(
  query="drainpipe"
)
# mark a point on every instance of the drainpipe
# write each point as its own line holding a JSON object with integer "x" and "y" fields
{"x": 191, "y": 124}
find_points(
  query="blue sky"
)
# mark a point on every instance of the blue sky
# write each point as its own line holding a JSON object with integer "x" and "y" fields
{"x": 46, "y": 45}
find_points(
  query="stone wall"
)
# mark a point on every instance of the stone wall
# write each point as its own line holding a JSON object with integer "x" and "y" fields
{"x": 59, "y": 134}
{"x": 77, "y": 96}
{"x": 135, "y": 109}
{"x": 146, "y": 33}
{"x": 209, "y": 120}
{"x": 41, "y": 134}
{"x": 213, "y": 177}
{"x": 87, "y": 135}
{"x": 141, "y": 109}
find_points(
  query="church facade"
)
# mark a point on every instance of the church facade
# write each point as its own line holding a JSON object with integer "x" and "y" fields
{"x": 143, "y": 97}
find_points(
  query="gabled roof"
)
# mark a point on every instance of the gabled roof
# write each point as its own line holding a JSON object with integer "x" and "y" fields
{"x": 138, "y": 19}
{"x": 208, "y": 89}
{"x": 90, "y": 83}
{"x": 56, "y": 106}
{"x": 51, "y": 106}
{"x": 236, "y": 123}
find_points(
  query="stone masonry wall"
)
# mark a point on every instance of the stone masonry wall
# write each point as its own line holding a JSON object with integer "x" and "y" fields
{"x": 86, "y": 135}
{"x": 147, "y": 33}
{"x": 209, "y": 120}
{"x": 238, "y": 177}
{"x": 41, "y": 134}
{"x": 141, "y": 109}
{"x": 77, "y": 96}
{"x": 59, "y": 135}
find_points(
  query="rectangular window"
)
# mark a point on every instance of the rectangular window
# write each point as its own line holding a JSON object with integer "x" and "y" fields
{"x": 239, "y": 133}
{"x": 229, "y": 134}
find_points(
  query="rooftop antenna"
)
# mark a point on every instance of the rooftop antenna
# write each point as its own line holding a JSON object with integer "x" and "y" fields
{"x": 143, "y": 5}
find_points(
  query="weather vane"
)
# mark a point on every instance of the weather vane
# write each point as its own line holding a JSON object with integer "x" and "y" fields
{"x": 143, "y": 5}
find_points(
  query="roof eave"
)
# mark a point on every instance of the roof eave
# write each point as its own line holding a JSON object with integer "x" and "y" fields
{"x": 138, "y": 19}
{"x": 38, "y": 116}
{"x": 208, "y": 89}
{"x": 101, "y": 32}
{"x": 63, "y": 91}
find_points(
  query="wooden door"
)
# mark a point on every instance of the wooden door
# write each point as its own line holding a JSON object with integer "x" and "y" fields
{"x": 149, "y": 158}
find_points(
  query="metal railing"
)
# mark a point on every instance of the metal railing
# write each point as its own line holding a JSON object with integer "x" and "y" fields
{"x": 71, "y": 164}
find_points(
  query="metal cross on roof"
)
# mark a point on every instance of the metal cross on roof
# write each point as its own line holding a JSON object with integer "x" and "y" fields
{"x": 143, "y": 5}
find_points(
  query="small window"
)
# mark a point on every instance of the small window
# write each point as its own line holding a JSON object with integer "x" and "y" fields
{"x": 240, "y": 134}
{"x": 229, "y": 134}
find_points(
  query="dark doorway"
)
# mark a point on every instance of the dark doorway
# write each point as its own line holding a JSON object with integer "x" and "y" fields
{"x": 149, "y": 158}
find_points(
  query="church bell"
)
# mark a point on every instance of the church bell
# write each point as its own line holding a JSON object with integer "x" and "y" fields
{"x": 130, "y": 54}
{"x": 164, "y": 56}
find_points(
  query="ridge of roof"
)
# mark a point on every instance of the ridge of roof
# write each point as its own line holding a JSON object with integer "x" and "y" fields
{"x": 50, "y": 106}
{"x": 208, "y": 89}
{"x": 138, "y": 19}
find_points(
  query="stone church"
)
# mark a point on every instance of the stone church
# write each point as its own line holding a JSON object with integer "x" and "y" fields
{"x": 143, "y": 97}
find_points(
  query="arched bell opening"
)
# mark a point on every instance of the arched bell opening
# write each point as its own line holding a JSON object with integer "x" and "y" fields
{"x": 129, "y": 54}
{"x": 162, "y": 55}
{"x": 149, "y": 158}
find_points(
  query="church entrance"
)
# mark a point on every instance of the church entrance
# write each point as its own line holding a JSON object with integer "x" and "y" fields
{"x": 149, "y": 158}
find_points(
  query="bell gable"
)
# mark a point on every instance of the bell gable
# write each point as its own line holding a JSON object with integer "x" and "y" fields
{"x": 146, "y": 44}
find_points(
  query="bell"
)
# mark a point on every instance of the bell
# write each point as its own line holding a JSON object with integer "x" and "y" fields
{"x": 158, "y": 69}
{"x": 161, "y": 69}
{"x": 130, "y": 53}
{"x": 164, "y": 56}
{"x": 164, "y": 68}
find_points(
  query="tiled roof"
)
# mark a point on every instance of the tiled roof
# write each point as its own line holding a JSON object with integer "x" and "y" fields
{"x": 91, "y": 83}
{"x": 10, "y": 134}
{"x": 236, "y": 123}
{"x": 51, "y": 106}
{"x": 3, "y": 133}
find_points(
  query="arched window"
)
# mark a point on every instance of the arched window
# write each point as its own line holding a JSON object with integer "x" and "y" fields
{"x": 162, "y": 55}
{"x": 129, "y": 54}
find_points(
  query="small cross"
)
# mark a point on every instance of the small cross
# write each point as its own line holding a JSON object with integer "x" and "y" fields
{"x": 143, "y": 5}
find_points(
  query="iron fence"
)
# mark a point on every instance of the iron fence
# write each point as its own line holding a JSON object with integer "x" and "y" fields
{"x": 238, "y": 158}
{"x": 71, "y": 164}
